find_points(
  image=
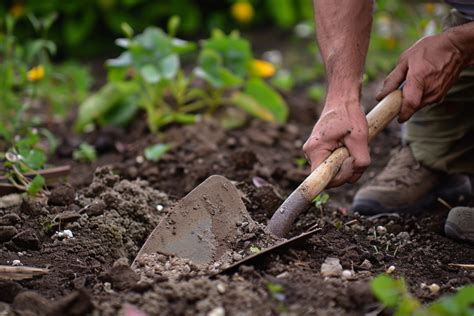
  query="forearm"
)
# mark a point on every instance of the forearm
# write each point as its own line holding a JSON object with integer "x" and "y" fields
{"x": 463, "y": 38}
{"x": 343, "y": 32}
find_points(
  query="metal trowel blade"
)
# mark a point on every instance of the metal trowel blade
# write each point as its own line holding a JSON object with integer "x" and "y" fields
{"x": 201, "y": 226}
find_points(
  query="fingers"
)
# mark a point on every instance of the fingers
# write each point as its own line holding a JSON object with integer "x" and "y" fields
{"x": 358, "y": 146}
{"x": 317, "y": 151}
{"x": 345, "y": 172}
{"x": 393, "y": 80}
{"x": 412, "y": 96}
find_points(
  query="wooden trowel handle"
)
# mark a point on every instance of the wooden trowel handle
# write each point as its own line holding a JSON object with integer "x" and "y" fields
{"x": 301, "y": 198}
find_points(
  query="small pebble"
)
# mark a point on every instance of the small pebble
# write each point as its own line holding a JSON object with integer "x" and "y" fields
{"x": 221, "y": 288}
{"x": 346, "y": 274}
{"x": 159, "y": 207}
{"x": 366, "y": 264}
{"x": 67, "y": 233}
{"x": 403, "y": 236}
{"x": 16, "y": 263}
{"x": 237, "y": 257}
{"x": 390, "y": 270}
{"x": 108, "y": 287}
{"x": 331, "y": 267}
{"x": 218, "y": 311}
{"x": 282, "y": 275}
{"x": 381, "y": 230}
{"x": 139, "y": 159}
{"x": 434, "y": 288}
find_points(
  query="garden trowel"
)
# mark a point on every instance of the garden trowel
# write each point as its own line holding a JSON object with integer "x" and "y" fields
{"x": 202, "y": 226}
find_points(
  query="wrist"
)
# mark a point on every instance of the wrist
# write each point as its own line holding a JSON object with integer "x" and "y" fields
{"x": 462, "y": 38}
{"x": 344, "y": 93}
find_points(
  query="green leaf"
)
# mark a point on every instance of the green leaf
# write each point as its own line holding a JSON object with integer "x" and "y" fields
{"x": 388, "y": 290}
{"x": 173, "y": 25}
{"x": 34, "y": 158}
{"x": 85, "y": 153}
{"x": 210, "y": 68}
{"x": 106, "y": 99}
{"x": 126, "y": 29}
{"x": 150, "y": 74}
{"x": 169, "y": 66}
{"x": 283, "y": 80}
{"x": 235, "y": 51}
{"x": 121, "y": 114}
{"x": 182, "y": 47}
{"x": 268, "y": 98}
{"x": 275, "y": 288}
{"x": 251, "y": 106}
{"x": 321, "y": 199}
{"x": 255, "y": 249}
{"x": 36, "y": 185}
{"x": 124, "y": 60}
{"x": 155, "y": 152}
{"x": 283, "y": 11}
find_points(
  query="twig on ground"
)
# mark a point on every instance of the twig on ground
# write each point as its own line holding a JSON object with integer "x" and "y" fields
{"x": 446, "y": 204}
{"x": 464, "y": 266}
{"x": 20, "y": 273}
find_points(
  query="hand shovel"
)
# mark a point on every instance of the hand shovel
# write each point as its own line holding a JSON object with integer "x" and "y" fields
{"x": 202, "y": 226}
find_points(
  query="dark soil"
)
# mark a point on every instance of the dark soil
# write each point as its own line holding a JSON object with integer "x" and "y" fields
{"x": 111, "y": 217}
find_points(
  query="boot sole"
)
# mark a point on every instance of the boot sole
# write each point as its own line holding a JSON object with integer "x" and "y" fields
{"x": 452, "y": 191}
{"x": 452, "y": 231}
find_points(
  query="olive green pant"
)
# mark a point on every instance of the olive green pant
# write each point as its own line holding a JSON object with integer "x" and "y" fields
{"x": 441, "y": 135}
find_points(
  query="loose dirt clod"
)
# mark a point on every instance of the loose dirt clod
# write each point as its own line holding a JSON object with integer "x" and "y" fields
{"x": 331, "y": 267}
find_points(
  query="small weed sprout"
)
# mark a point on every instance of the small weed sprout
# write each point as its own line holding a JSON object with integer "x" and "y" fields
{"x": 255, "y": 249}
{"x": 85, "y": 153}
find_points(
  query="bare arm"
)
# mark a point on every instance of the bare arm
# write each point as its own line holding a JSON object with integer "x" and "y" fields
{"x": 343, "y": 32}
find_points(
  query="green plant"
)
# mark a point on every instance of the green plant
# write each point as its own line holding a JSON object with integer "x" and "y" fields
{"x": 255, "y": 249}
{"x": 155, "y": 152}
{"x": 85, "y": 153}
{"x": 320, "y": 200}
{"x": 148, "y": 74}
{"x": 22, "y": 161}
{"x": 393, "y": 293}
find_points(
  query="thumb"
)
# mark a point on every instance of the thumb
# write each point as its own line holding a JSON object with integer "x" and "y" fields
{"x": 393, "y": 80}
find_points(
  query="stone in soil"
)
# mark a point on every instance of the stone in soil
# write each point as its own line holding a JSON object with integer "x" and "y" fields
{"x": 62, "y": 195}
{"x": 27, "y": 239}
{"x": 7, "y": 233}
{"x": 9, "y": 219}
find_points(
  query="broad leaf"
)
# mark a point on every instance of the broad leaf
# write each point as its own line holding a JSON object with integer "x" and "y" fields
{"x": 155, "y": 152}
{"x": 251, "y": 106}
{"x": 268, "y": 98}
{"x": 108, "y": 97}
{"x": 36, "y": 185}
{"x": 150, "y": 74}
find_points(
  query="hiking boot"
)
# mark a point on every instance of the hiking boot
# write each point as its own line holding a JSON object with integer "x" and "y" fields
{"x": 406, "y": 186}
{"x": 460, "y": 224}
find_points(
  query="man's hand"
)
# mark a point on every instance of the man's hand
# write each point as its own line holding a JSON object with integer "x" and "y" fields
{"x": 430, "y": 68}
{"x": 341, "y": 123}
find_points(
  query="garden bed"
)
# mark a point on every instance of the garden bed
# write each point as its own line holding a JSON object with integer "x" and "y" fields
{"x": 111, "y": 217}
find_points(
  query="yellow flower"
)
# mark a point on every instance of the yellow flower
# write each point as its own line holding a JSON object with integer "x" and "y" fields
{"x": 242, "y": 11}
{"x": 262, "y": 68}
{"x": 17, "y": 9}
{"x": 429, "y": 7}
{"x": 35, "y": 73}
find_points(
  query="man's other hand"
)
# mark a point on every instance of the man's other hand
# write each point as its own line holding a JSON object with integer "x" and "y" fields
{"x": 341, "y": 123}
{"x": 430, "y": 68}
